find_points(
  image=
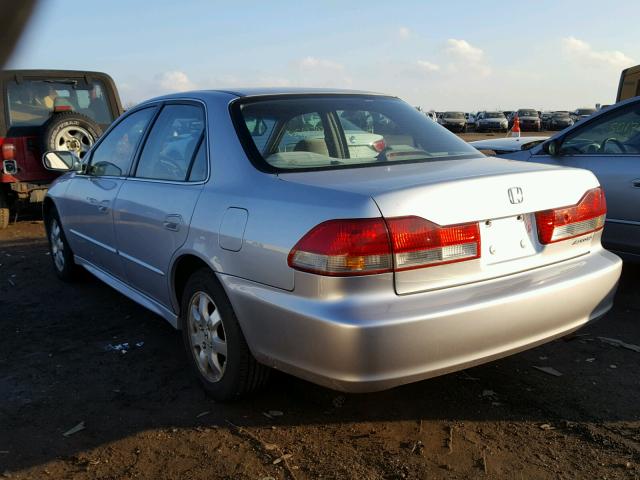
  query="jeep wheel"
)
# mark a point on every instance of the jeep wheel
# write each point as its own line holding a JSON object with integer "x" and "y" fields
{"x": 70, "y": 131}
{"x": 4, "y": 211}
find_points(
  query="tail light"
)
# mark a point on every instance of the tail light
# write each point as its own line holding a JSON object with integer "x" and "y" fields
{"x": 8, "y": 151}
{"x": 417, "y": 242}
{"x": 586, "y": 216}
{"x": 379, "y": 145}
{"x": 368, "y": 246}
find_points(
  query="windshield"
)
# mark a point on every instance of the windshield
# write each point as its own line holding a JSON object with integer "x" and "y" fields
{"x": 585, "y": 111}
{"x": 327, "y": 132}
{"x": 494, "y": 115}
{"x": 527, "y": 113}
{"x": 31, "y": 102}
{"x": 457, "y": 115}
{"x": 561, "y": 115}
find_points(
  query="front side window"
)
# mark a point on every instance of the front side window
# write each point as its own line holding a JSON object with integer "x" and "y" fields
{"x": 115, "y": 152}
{"x": 616, "y": 133}
{"x": 32, "y": 102}
{"x": 171, "y": 147}
{"x": 326, "y": 132}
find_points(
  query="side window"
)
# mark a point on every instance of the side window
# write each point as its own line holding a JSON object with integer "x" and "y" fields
{"x": 199, "y": 168}
{"x": 618, "y": 133}
{"x": 170, "y": 149}
{"x": 114, "y": 154}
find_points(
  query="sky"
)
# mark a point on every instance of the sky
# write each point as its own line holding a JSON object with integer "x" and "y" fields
{"x": 547, "y": 54}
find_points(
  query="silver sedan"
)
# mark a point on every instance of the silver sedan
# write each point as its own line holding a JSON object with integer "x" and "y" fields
{"x": 338, "y": 236}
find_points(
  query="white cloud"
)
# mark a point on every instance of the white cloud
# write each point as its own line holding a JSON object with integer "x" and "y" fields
{"x": 310, "y": 63}
{"x": 175, "y": 81}
{"x": 404, "y": 33}
{"x": 426, "y": 66}
{"x": 583, "y": 52}
{"x": 466, "y": 56}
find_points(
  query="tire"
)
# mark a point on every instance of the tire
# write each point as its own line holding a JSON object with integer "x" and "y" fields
{"x": 207, "y": 319}
{"x": 4, "y": 211}
{"x": 60, "y": 251}
{"x": 70, "y": 131}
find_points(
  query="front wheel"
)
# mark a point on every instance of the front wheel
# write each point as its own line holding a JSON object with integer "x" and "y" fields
{"x": 60, "y": 251}
{"x": 216, "y": 348}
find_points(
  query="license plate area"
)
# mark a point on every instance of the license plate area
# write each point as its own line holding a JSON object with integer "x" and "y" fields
{"x": 505, "y": 239}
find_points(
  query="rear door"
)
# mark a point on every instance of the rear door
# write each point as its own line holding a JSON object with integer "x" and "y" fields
{"x": 609, "y": 146}
{"x": 87, "y": 207}
{"x": 154, "y": 206}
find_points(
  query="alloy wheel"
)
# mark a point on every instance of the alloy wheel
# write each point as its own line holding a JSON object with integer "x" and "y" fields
{"x": 207, "y": 337}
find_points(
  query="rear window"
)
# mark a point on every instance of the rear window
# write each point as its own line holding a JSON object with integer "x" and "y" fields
{"x": 329, "y": 132}
{"x": 31, "y": 102}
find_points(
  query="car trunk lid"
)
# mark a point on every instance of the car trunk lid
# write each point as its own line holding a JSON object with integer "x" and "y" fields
{"x": 502, "y": 196}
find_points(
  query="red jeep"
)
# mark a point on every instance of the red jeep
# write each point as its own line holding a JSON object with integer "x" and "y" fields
{"x": 47, "y": 110}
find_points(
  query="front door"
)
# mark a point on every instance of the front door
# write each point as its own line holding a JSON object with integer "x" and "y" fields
{"x": 90, "y": 198}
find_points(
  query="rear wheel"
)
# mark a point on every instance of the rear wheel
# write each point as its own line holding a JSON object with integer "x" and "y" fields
{"x": 60, "y": 251}
{"x": 4, "y": 211}
{"x": 216, "y": 348}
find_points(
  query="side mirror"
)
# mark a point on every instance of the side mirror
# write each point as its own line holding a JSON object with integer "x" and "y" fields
{"x": 61, "y": 161}
{"x": 552, "y": 148}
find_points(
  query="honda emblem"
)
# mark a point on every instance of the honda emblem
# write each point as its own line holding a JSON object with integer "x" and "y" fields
{"x": 515, "y": 195}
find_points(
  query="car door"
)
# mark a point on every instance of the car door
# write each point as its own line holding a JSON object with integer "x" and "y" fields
{"x": 89, "y": 200}
{"x": 609, "y": 146}
{"x": 153, "y": 209}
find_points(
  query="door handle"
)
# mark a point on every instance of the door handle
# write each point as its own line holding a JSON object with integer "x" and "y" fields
{"x": 172, "y": 222}
{"x": 636, "y": 182}
{"x": 103, "y": 207}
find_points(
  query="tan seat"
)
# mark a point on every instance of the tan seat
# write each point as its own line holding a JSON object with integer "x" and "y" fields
{"x": 315, "y": 145}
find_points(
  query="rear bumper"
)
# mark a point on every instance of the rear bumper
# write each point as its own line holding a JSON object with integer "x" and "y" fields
{"x": 361, "y": 343}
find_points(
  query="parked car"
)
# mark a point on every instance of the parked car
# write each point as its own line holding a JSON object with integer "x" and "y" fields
{"x": 471, "y": 121}
{"x": 560, "y": 121}
{"x": 608, "y": 144}
{"x": 529, "y": 120}
{"x": 359, "y": 273}
{"x": 491, "y": 122}
{"x": 500, "y": 146}
{"x": 47, "y": 110}
{"x": 545, "y": 119}
{"x": 431, "y": 115}
{"x": 582, "y": 113}
{"x": 454, "y": 121}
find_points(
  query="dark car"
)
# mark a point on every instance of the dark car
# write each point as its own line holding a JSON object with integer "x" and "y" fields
{"x": 560, "y": 121}
{"x": 529, "y": 120}
{"x": 47, "y": 110}
{"x": 491, "y": 122}
{"x": 454, "y": 121}
{"x": 582, "y": 113}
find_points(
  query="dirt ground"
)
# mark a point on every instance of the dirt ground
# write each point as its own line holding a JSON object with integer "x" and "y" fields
{"x": 145, "y": 417}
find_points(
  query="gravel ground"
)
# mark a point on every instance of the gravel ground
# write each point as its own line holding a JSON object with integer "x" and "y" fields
{"x": 144, "y": 415}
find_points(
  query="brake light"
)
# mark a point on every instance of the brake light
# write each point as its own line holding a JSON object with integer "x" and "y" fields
{"x": 587, "y": 216}
{"x": 344, "y": 247}
{"x": 379, "y": 145}
{"x": 8, "y": 151}
{"x": 368, "y": 246}
{"x": 417, "y": 242}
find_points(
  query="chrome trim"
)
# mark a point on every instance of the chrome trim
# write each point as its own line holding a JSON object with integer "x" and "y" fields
{"x": 624, "y": 222}
{"x": 95, "y": 242}
{"x": 141, "y": 263}
{"x": 129, "y": 291}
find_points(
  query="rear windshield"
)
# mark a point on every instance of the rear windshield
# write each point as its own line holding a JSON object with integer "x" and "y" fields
{"x": 527, "y": 113}
{"x": 458, "y": 115}
{"x": 329, "y": 132}
{"x": 31, "y": 102}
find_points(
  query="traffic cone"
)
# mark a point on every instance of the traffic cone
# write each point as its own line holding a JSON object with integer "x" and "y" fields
{"x": 515, "y": 130}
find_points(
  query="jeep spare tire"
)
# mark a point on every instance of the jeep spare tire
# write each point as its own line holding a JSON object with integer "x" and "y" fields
{"x": 70, "y": 131}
